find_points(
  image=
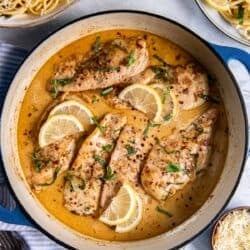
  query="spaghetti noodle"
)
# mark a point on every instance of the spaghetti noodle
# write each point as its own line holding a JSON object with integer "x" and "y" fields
{"x": 236, "y": 12}
{"x": 35, "y": 7}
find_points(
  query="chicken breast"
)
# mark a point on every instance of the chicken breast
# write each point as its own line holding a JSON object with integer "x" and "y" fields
{"x": 173, "y": 161}
{"x": 115, "y": 62}
{"x": 189, "y": 83}
{"x": 51, "y": 160}
{"x": 84, "y": 180}
{"x": 126, "y": 161}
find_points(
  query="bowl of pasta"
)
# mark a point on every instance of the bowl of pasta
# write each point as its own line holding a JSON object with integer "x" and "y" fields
{"x": 230, "y": 16}
{"x": 27, "y": 13}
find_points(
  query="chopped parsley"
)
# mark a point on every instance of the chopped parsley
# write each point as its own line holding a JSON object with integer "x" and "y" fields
{"x": 164, "y": 95}
{"x": 172, "y": 168}
{"x": 175, "y": 183}
{"x": 107, "y": 148}
{"x": 37, "y": 162}
{"x": 96, "y": 46}
{"x": 150, "y": 125}
{"x": 209, "y": 98}
{"x": 100, "y": 161}
{"x": 157, "y": 57}
{"x": 198, "y": 128}
{"x": 109, "y": 174}
{"x": 131, "y": 58}
{"x": 58, "y": 82}
{"x": 168, "y": 116}
{"x": 98, "y": 125}
{"x": 106, "y": 91}
{"x": 130, "y": 150}
{"x": 75, "y": 182}
{"x": 240, "y": 15}
{"x": 160, "y": 73}
{"x": 53, "y": 179}
{"x": 163, "y": 211}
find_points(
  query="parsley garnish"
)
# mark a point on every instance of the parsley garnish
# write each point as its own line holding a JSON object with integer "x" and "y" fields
{"x": 198, "y": 128}
{"x": 107, "y": 148}
{"x": 53, "y": 179}
{"x": 163, "y": 211}
{"x": 37, "y": 162}
{"x": 98, "y": 125}
{"x": 59, "y": 82}
{"x": 168, "y": 116}
{"x": 106, "y": 91}
{"x": 150, "y": 125}
{"x": 164, "y": 95}
{"x": 172, "y": 168}
{"x": 109, "y": 174}
{"x": 209, "y": 98}
{"x": 100, "y": 161}
{"x": 75, "y": 181}
{"x": 240, "y": 15}
{"x": 96, "y": 46}
{"x": 160, "y": 59}
{"x": 130, "y": 150}
{"x": 160, "y": 73}
{"x": 131, "y": 58}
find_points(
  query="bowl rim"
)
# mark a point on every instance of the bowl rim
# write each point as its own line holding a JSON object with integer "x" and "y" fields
{"x": 227, "y": 33}
{"x": 162, "y": 18}
{"x": 40, "y": 19}
{"x": 221, "y": 218}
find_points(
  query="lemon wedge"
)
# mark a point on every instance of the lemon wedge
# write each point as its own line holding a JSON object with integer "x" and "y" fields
{"x": 121, "y": 208}
{"x": 77, "y": 109}
{"x": 220, "y": 5}
{"x": 134, "y": 219}
{"x": 168, "y": 100}
{"x": 58, "y": 126}
{"x": 143, "y": 98}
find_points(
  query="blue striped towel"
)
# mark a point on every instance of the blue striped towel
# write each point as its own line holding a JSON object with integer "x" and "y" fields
{"x": 10, "y": 58}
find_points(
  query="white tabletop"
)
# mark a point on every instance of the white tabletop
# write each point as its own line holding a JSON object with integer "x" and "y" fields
{"x": 183, "y": 11}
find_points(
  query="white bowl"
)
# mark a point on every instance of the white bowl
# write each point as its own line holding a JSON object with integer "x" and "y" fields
{"x": 28, "y": 20}
{"x": 215, "y": 18}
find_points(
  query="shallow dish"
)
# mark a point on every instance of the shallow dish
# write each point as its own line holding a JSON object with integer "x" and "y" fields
{"x": 28, "y": 20}
{"x": 215, "y": 18}
{"x": 235, "y": 111}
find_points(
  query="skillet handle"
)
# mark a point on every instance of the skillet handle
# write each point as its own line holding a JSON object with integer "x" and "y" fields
{"x": 16, "y": 216}
{"x": 227, "y": 53}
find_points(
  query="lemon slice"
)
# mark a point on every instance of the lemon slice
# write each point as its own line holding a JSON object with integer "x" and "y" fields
{"x": 58, "y": 126}
{"x": 121, "y": 207}
{"x": 134, "y": 220}
{"x": 143, "y": 98}
{"x": 77, "y": 109}
{"x": 169, "y": 102}
{"x": 220, "y": 5}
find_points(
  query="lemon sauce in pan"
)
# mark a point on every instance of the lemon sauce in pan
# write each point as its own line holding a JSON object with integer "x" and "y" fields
{"x": 182, "y": 205}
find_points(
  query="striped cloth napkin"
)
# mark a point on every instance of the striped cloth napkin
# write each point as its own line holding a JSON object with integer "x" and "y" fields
{"x": 24, "y": 237}
{"x": 15, "y": 236}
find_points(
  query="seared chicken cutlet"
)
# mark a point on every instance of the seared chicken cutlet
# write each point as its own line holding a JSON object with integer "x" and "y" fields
{"x": 51, "y": 160}
{"x": 173, "y": 161}
{"x": 115, "y": 62}
{"x": 189, "y": 83}
{"x": 126, "y": 161}
{"x": 84, "y": 179}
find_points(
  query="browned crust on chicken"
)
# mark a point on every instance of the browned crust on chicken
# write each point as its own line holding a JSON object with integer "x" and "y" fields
{"x": 126, "y": 161}
{"x": 173, "y": 161}
{"x": 90, "y": 166}
{"x": 110, "y": 66}
{"x": 51, "y": 160}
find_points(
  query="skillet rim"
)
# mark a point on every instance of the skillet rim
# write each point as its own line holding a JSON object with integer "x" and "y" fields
{"x": 162, "y": 18}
